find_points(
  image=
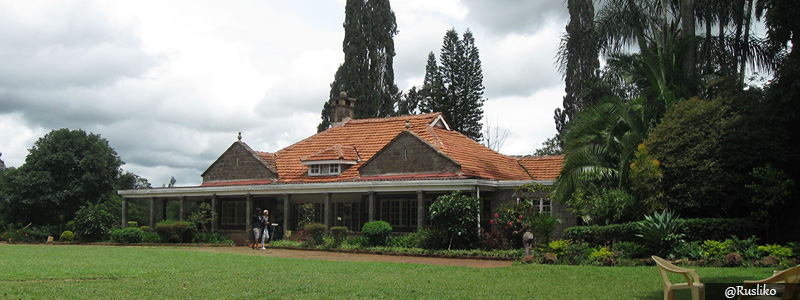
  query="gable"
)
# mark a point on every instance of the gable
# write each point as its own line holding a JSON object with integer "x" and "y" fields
{"x": 239, "y": 162}
{"x": 407, "y": 153}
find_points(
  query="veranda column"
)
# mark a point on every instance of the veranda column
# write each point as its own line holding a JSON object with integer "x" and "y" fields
{"x": 371, "y": 206}
{"x": 152, "y": 213}
{"x": 287, "y": 204}
{"x": 124, "y": 213}
{"x": 183, "y": 208}
{"x": 328, "y": 208}
{"x": 164, "y": 209}
{"x": 247, "y": 215}
{"x": 420, "y": 210}
{"x": 215, "y": 221}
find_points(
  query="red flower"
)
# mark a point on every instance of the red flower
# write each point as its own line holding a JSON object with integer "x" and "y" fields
{"x": 520, "y": 216}
{"x": 510, "y": 224}
{"x": 517, "y": 221}
{"x": 531, "y": 209}
{"x": 496, "y": 215}
{"x": 506, "y": 227}
{"x": 491, "y": 221}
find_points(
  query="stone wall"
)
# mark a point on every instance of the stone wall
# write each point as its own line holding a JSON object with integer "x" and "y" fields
{"x": 408, "y": 154}
{"x": 237, "y": 163}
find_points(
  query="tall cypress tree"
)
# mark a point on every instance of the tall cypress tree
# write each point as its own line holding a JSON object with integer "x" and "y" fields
{"x": 367, "y": 73}
{"x": 431, "y": 91}
{"x": 579, "y": 61}
{"x": 470, "y": 103}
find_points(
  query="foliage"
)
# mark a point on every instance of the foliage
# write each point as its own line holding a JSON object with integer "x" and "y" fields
{"x": 417, "y": 239}
{"x": 716, "y": 249}
{"x": 706, "y": 149}
{"x": 771, "y": 188}
{"x": 456, "y": 217}
{"x": 601, "y": 255}
{"x": 747, "y": 248}
{"x": 700, "y": 229}
{"x": 577, "y": 253}
{"x": 339, "y": 234}
{"x": 21, "y": 235}
{"x": 559, "y": 247}
{"x": 781, "y": 252}
{"x": 602, "y": 235}
{"x": 690, "y": 250}
{"x": 150, "y": 237}
{"x": 64, "y": 170}
{"x": 211, "y": 238}
{"x": 203, "y": 216}
{"x": 93, "y": 222}
{"x": 367, "y": 73}
{"x": 631, "y": 249}
{"x": 551, "y": 146}
{"x": 495, "y": 240}
{"x": 305, "y": 215}
{"x": 316, "y": 232}
{"x": 524, "y": 215}
{"x": 171, "y": 231}
{"x": 660, "y": 231}
{"x": 595, "y": 204}
{"x": 67, "y": 236}
{"x": 645, "y": 178}
{"x": 455, "y": 88}
{"x": 376, "y": 232}
{"x": 129, "y": 235}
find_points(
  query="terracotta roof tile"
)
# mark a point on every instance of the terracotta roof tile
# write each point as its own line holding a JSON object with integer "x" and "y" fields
{"x": 335, "y": 152}
{"x": 543, "y": 167}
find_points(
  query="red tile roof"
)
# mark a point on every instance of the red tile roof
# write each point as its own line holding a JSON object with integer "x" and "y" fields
{"x": 237, "y": 182}
{"x": 543, "y": 167}
{"x": 360, "y": 139}
{"x": 335, "y": 152}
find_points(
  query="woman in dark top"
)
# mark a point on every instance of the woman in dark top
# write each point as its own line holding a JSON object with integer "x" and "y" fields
{"x": 256, "y": 225}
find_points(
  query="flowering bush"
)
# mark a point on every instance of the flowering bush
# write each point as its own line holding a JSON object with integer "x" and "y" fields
{"x": 515, "y": 216}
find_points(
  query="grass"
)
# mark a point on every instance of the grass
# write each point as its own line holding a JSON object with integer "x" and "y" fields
{"x": 112, "y": 272}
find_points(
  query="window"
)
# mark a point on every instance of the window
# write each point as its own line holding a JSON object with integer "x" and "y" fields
{"x": 542, "y": 205}
{"x": 324, "y": 169}
{"x": 234, "y": 213}
{"x": 399, "y": 212}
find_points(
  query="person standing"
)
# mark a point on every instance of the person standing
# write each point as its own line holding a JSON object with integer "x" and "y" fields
{"x": 256, "y": 225}
{"x": 265, "y": 229}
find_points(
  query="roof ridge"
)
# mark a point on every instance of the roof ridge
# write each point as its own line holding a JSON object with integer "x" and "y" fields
{"x": 403, "y": 117}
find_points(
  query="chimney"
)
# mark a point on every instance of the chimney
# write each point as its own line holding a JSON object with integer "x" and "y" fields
{"x": 342, "y": 109}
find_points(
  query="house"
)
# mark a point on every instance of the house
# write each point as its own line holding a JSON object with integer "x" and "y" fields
{"x": 358, "y": 171}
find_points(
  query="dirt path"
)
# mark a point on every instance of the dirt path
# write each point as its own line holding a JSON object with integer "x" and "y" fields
{"x": 335, "y": 256}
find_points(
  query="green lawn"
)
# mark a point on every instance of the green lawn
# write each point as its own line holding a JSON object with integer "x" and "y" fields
{"x": 39, "y": 271}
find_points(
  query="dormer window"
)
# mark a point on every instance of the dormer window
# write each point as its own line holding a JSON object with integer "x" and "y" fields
{"x": 324, "y": 169}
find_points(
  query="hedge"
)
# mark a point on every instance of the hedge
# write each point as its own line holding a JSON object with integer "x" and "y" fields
{"x": 699, "y": 229}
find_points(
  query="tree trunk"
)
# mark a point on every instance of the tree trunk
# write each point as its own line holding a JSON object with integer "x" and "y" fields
{"x": 687, "y": 30}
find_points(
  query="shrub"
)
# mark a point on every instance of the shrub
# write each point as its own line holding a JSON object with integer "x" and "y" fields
{"x": 456, "y": 217}
{"x": 602, "y": 255}
{"x": 356, "y": 242}
{"x": 660, "y": 231}
{"x": 602, "y": 235}
{"x": 577, "y": 253}
{"x": 316, "y": 232}
{"x": 795, "y": 246}
{"x": 417, "y": 239}
{"x": 133, "y": 224}
{"x": 67, "y": 236}
{"x": 175, "y": 231}
{"x": 631, "y": 249}
{"x": 780, "y": 252}
{"x": 716, "y": 249}
{"x": 150, "y": 237}
{"x": 690, "y": 250}
{"x": 130, "y": 235}
{"x": 93, "y": 222}
{"x": 495, "y": 240}
{"x": 376, "y": 232}
{"x": 559, "y": 247}
{"x": 211, "y": 238}
{"x": 747, "y": 248}
{"x": 339, "y": 234}
{"x": 702, "y": 229}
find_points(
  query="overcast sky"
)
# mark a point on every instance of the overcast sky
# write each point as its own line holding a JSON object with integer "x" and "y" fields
{"x": 170, "y": 83}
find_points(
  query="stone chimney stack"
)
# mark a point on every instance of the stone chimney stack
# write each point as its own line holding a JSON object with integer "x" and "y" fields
{"x": 342, "y": 109}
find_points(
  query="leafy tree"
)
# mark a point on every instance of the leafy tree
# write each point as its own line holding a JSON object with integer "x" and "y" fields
{"x": 706, "y": 149}
{"x": 771, "y": 189}
{"x": 596, "y": 204}
{"x": 203, "y": 216}
{"x": 455, "y": 217}
{"x": 367, "y": 73}
{"x": 131, "y": 181}
{"x": 64, "y": 170}
{"x": 550, "y": 146}
{"x": 409, "y": 102}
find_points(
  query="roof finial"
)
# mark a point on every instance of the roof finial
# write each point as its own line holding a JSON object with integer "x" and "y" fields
{"x": 408, "y": 124}
{"x": 240, "y": 136}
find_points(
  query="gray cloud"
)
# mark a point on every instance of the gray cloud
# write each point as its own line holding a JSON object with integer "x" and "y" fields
{"x": 516, "y": 16}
